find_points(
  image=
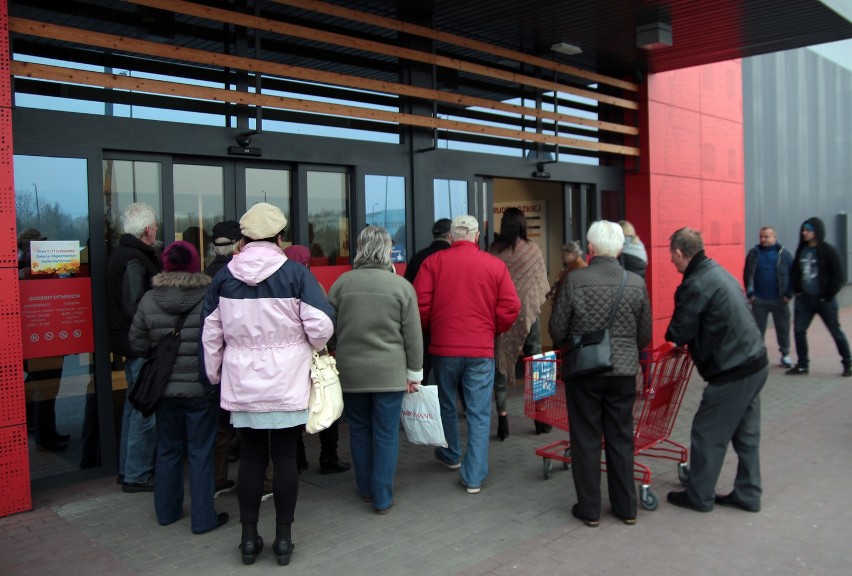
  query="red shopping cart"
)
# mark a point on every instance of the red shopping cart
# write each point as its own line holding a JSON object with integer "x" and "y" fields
{"x": 659, "y": 393}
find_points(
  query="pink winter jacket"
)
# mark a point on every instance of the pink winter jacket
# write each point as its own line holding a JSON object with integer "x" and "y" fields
{"x": 262, "y": 317}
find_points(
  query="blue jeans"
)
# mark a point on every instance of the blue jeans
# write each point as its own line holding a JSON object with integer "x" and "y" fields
{"x": 373, "y": 419}
{"x": 475, "y": 378}
{"x": 186, "y": 426}
{"x": 805, "y": 309}
{"x": 138, "y": 444}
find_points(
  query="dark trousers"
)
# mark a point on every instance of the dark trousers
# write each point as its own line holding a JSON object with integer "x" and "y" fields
{"x": 728, "y": 413}
{"x": 185, "y": 426}
{"x": 761, "y": 308}
{"x": 256, "y": 447}
{"x": 806, "y": 308}
{"x": 224, "y": 435}
{"x": 602, "y": 407}
{"x": 328, "y": 445}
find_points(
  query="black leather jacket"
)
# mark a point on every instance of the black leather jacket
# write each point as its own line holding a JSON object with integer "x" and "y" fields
{"x": 712, "y": 316}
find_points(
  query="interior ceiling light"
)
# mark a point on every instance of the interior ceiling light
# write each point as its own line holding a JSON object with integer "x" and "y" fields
{"x": 567, "y": 49}
{"x": 653, "y": 36}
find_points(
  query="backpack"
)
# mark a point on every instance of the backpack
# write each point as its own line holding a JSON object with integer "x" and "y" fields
{"x": 156, "y": 370}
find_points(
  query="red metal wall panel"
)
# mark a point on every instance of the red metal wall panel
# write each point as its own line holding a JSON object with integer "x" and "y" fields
{"x": 16, "y": 495}
{"x": 690, "y": 173}
{"x": 722, "y": 90}
{"x": 14, "y": 460}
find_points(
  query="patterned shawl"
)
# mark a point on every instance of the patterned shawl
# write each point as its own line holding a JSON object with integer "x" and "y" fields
{"x": 529, "y": 274}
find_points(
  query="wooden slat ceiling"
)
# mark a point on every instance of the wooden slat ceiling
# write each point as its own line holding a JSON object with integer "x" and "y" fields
{"x": 703, "y": 31}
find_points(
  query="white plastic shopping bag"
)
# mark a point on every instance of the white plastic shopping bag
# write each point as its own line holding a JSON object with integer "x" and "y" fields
{"x": 421, "y": 417}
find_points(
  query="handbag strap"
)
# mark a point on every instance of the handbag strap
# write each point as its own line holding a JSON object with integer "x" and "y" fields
{"x": 181, "y": 320}
{"x": 617, "y": 299}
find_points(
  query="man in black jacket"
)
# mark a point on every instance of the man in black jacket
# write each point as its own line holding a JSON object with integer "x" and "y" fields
{"x": 712, "y": 317}
{"x": 131, "y": 266}
{"x": 817, "y": 277}
{"x": 441, "y": 241}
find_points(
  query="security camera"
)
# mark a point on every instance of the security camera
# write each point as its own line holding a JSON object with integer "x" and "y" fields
{"x": 244, "y": 138}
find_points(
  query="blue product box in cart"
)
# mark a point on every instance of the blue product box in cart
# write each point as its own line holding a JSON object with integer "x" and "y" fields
{"x": 543, "y": 368}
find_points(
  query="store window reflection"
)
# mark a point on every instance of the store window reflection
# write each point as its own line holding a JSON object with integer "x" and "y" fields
{"x": 328, "y": 218}
{"x": 199, "y": 204}
{"x": 450, "y": 198}
{"x": 272, "y": 186}
{"x": 52, "y": 222}
{"x": 385, "y": 202}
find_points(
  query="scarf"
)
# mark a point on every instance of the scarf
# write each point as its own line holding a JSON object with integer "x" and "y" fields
{"x": 529, "y": 274}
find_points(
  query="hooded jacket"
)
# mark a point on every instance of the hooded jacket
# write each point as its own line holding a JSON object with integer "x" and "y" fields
{"x": 262, "y": 317}
{"x": 712, "y": 316}
{"x": 634, "y": 257}
{"x": 830, "y": 270}
{"x": 172, "y": 294}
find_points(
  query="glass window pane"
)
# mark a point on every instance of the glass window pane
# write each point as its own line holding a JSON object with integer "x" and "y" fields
{"x": 199, "y": 205}
{"x": 52, "y": 219}
{"x": 385, "y": 202}
{"x": 126, "y": 182}
{"x": 450, "y": 198}
{"x": 328, "y": 218}
{"x": 271, "y": 186}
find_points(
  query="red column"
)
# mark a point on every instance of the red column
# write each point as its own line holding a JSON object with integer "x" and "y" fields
{"x": 14, "y": 462}
{"x": 690, "y": 173}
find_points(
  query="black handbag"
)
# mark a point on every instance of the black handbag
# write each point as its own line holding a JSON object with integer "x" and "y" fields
{"x": 155, "y": 371}
{"x": 590, "y": 354}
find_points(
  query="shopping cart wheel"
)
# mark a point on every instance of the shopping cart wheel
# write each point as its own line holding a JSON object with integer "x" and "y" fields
{"x": 547, "y": 465}
{"x": 565, "y": 463}
{"x": 683, "y": 474}
{"x": 648, "y": 499}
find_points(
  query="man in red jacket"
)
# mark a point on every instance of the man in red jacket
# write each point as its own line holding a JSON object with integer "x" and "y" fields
{"x": 466, "y": 297}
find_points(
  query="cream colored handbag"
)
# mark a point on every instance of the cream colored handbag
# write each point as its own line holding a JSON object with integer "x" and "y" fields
{"x": 326, "y": 400}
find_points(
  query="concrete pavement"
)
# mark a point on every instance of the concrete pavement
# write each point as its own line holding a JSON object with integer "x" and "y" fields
{"x": 519, "y": 523}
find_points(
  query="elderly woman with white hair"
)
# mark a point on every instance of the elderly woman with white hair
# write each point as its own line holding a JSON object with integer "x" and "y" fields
{"x": 379, "y": 354}
{"x": 602, "y": 405}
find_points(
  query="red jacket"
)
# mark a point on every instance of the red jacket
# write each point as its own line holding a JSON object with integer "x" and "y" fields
{"x": 466, "y": 297}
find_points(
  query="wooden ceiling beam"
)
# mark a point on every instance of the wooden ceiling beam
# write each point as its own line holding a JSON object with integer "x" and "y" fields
{"x": 161, "y": 50}
{"x": 277, "y": 27}
{"x": 454, "y": 39}
{"x": 115, "y": 81}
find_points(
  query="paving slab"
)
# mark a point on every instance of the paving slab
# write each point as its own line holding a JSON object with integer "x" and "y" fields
{"x": 519, "y": 523}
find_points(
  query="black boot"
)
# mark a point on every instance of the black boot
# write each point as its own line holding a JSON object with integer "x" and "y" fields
{"x": 541, "y": 427}
{"x": 251, "y": 544}
{"x": 283, "y": 545}
{"x": 502, "y": 426}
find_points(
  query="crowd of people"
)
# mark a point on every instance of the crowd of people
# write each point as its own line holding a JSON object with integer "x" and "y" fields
{"x": 252, "y": 320}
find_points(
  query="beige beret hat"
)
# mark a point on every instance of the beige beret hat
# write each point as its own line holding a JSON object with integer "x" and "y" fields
{"x": 262, "y": 220}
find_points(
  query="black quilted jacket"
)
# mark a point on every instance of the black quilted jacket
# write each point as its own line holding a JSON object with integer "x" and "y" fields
{"x": 585, "y": 302}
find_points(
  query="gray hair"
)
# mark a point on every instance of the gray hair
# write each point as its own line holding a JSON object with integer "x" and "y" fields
{"x": 606, "y": 237}
{"x": 573, "y": 247}
{"x": 137, "y": 217}
{"x": 225, "y": 249}
{"x": 688, "y": 241}
{"x": 373, "y": 247}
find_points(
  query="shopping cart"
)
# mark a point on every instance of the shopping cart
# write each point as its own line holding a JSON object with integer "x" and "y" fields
{"x": 659, "y": 393}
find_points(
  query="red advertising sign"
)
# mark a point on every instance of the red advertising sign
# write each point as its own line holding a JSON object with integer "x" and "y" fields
{"x": 56, "y": 317}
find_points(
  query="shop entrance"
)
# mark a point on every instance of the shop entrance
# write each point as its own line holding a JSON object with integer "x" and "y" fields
{"x": 68, "y": 219}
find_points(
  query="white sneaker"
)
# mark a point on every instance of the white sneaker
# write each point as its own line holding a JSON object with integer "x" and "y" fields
{"x": 472, "y": 490}
{"x": 228, "y": 487}
{"x": 266, "y": 497}
{"x": 786, "y": 362}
